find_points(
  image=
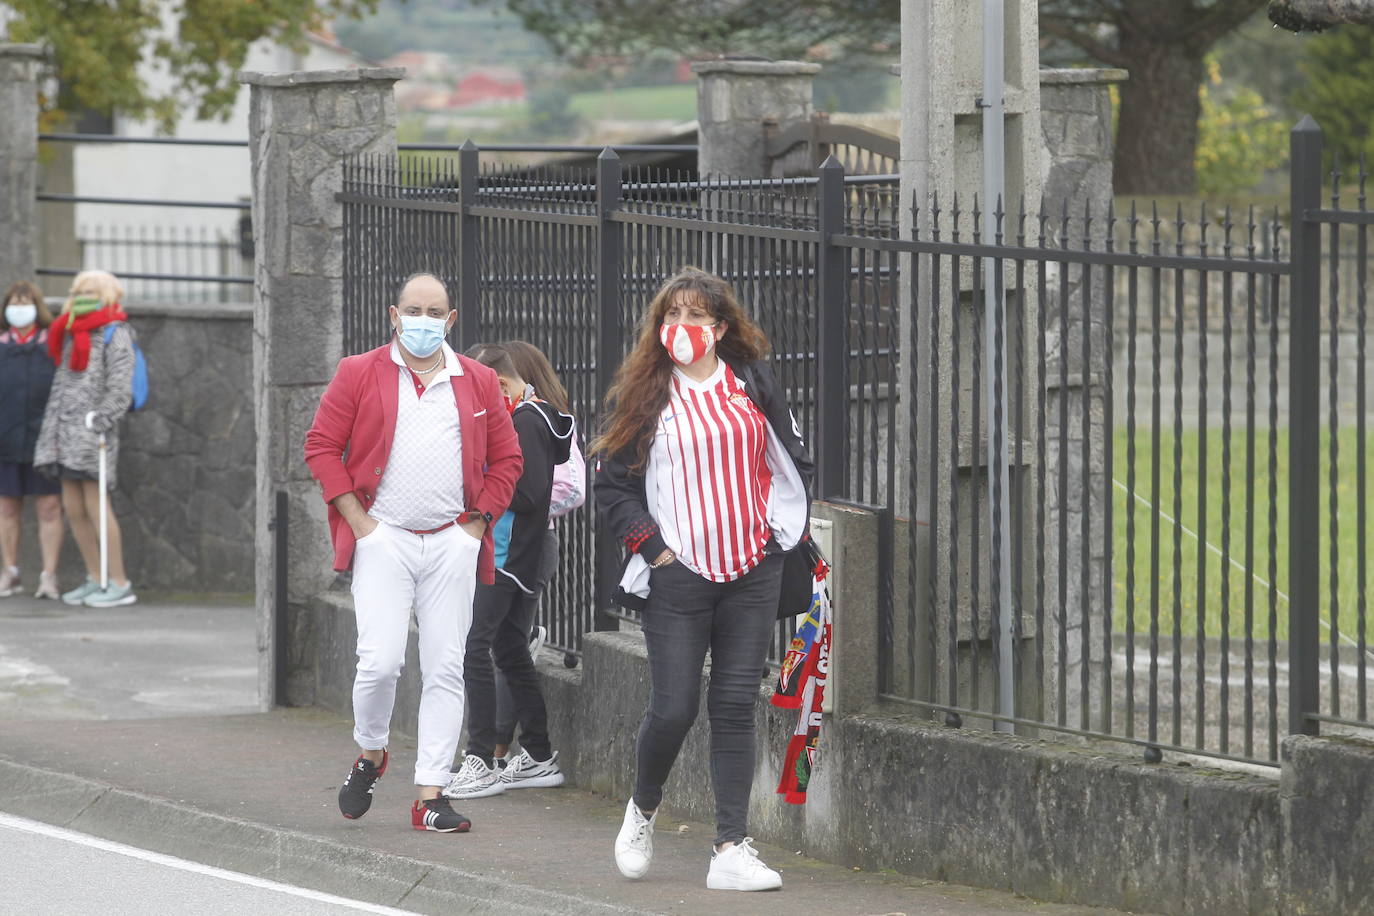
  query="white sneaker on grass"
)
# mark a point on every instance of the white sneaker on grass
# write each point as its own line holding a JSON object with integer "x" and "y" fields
{"x": 524, "y": 772}
{"x": 634, "y": 845}
{"x": 739, "y": 869}
{"x": 475, "y": 779}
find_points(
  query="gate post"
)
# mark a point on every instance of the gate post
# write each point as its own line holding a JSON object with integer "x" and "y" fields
{"x": 1304, "y": 447}
{"x": 19, "y": 78}
{"x": 469, "y": 308}
{"x": 302, "y": 126}
{"x": 609, "y": 257}
{"x": 832, "y": 337}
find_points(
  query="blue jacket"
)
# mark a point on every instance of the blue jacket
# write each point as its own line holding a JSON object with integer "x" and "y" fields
{"x": 26, "y": 373}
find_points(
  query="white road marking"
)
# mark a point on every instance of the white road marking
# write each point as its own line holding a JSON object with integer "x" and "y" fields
{"x": 133, "y": 852}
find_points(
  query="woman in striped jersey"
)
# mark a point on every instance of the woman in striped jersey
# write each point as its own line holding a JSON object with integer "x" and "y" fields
{"x": 705, "y": 478}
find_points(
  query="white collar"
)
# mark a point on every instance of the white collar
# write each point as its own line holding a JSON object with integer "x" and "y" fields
{"x": 451, "y": 364}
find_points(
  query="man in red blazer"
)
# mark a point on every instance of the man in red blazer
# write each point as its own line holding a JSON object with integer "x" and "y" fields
{"x": 415, "y": 454}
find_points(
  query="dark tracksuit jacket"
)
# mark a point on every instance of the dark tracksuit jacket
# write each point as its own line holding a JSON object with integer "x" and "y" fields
{"x": 545, "y": 437}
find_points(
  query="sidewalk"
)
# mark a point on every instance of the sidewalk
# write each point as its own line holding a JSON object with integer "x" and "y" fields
{"x": 256, "y": 793}
{"x": 137, "y": 725}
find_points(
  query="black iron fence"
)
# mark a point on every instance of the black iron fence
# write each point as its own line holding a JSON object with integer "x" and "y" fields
{"x": 1059, "y": 552}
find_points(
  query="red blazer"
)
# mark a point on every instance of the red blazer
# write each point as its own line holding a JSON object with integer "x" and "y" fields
{"x": 348, "y": 444}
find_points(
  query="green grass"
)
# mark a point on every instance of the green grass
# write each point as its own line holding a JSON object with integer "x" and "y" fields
{"x": 637, "y": 103}
{"x": 1221, "y": 609}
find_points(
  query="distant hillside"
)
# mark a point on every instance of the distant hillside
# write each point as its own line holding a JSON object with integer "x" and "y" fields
{"x": 474, "y": 33}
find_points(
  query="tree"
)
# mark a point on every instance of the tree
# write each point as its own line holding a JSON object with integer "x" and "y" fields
{"x": 1316, "y": 15}
{"x": 96, "y": 48}
{"x": 595, "y": 28}
{"x": 1164, "y": 45}
{"x": 1161, "y": 42}
{"x": 1339, "y": 89}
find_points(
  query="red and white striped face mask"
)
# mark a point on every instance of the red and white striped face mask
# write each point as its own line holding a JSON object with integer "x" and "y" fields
{"x": 687, "y": 343}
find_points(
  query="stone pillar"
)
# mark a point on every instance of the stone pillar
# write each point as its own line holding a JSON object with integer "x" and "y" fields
{"x": 942, "y": 154}
{"x": 19, "y": 72}
{"x": 1076, "y": 121}
{"x": 733, "y": 99}
{"x": 302, "y": 126}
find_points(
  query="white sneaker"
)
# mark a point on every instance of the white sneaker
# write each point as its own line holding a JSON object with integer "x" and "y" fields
{"x": 634, "y": 845}
{"x": 47, "y": 586}
{"x": 9, "y": 581}
{"x": 537, "y": 641}
{"x": 524, "y": 772}
{"x": 739, "y": 869}
{"x": 475, "y": 779}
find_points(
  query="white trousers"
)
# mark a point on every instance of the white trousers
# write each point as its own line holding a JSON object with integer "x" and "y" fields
{"x": 436, "y": 575}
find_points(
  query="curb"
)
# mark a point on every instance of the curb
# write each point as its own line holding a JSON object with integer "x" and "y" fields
{"x": 275, "y": 853}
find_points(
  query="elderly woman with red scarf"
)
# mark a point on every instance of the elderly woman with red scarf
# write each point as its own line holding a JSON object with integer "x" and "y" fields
{"x": 92, "y": 346}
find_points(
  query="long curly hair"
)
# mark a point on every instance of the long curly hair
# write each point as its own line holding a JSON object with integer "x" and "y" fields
{"x": 641, "y": 387}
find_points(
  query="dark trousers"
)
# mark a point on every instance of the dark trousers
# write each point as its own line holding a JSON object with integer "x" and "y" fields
{"x": 498, "y": 637}
{"x": 686, "y": 615}
{"x": 523, "y": 617}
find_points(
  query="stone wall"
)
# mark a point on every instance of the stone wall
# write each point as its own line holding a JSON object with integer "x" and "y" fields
{"x": 186, "y": 494}
{"x": 1056, "y": 822}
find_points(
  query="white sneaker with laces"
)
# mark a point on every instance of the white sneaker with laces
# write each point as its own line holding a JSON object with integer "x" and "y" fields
{"x": 634, "y": 845}
{"x": 475, "y": 779}
{"x": 524, "y": 772}
{"x": 739, "y": 869}
{"x": 537, "y": 641}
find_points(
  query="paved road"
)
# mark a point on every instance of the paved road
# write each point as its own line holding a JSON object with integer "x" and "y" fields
{"x": 150, "y": 659}
{"x": 48, "y": 870}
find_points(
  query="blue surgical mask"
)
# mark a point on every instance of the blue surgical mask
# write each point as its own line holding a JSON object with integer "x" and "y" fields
{"x": 21, "y": 315}
{"x": 421, "y": 334}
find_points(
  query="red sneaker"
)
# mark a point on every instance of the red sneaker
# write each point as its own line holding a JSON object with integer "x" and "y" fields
{"x": 437, "y": 814}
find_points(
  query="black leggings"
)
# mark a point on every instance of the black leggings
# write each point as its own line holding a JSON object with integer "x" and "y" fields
{"x": 685, "y": 616}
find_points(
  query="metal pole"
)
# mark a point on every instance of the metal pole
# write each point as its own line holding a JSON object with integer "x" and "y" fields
{"x": 832, "y": 345}
{"x": 994, "y": 318}
{"x": 1304, "y": 447}
{"x": 609, "y": 261}
{"x": 469, "y": 309}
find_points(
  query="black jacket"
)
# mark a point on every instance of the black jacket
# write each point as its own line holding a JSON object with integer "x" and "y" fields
{"x": 545, "y": 441}
{"x": 26, "y": 374}
{"x": 620, "y": 493}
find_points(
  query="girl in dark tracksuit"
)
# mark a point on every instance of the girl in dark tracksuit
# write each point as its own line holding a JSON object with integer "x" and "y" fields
{"x": 499, "y": 633}
{"x": 705, "y": 478}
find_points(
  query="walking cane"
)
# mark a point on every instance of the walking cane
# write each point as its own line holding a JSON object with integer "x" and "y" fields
{"x": 104, "y": 514}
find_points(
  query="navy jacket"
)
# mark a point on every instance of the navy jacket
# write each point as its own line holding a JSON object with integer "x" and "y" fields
{"x": 545, "y": 441}
{"x": 26, "y": 373}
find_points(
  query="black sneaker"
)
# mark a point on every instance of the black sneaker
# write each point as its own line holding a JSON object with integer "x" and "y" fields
{"x": 438, "y": 815}
{"x": 355, "y": 795}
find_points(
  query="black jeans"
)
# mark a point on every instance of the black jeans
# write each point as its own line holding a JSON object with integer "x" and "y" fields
{"x": 685, "y": 616}
{"x": 497, "y": 636}
{"x": 527, "y": 609}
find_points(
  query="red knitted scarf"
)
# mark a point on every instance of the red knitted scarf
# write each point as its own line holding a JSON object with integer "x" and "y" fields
{"x": 80, "y": 329}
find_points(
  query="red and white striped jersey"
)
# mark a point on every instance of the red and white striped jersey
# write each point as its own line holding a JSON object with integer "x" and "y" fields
{"x": 710, "y": 478}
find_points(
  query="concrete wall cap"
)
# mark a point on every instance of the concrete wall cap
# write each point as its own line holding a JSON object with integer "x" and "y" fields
{"x": 15, "y": 49}
{"x": 1076, "y": 75}
{"x": 757, "y": 67}
{"x": 317, "y": 77}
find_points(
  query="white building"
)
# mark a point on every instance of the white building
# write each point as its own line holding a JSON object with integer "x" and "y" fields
{"x": 180, "y": 240}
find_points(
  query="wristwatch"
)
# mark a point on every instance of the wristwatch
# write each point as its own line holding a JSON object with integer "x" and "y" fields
{"x": 473, "y": 516}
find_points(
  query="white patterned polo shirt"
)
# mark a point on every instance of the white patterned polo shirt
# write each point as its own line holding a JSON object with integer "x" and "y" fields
{"x": 422, "y": 485}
